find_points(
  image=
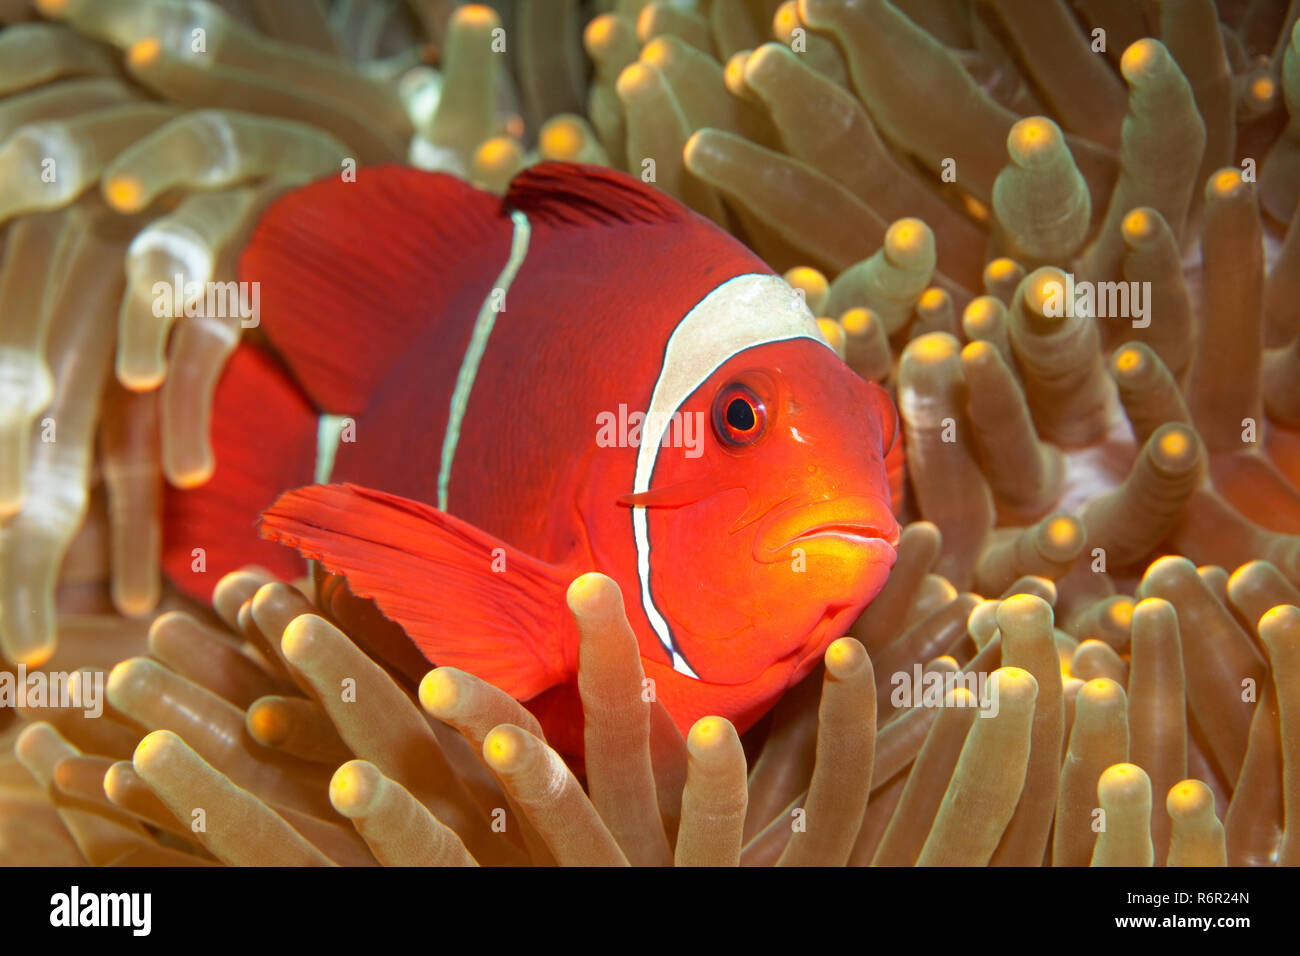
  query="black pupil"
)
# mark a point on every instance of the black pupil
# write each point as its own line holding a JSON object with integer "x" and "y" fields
{"x": 740, "y": 415}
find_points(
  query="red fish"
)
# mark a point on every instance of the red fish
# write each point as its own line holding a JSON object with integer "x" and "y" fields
{"x": 582, "y": 375}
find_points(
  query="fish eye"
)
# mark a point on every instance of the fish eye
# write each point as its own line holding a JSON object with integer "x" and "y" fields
{"x": 739, "y": 417}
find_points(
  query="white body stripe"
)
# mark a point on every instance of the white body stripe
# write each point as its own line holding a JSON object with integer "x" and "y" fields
{"x": 329, "y": 429}
{"x": 478, "y": 340}
{"x": 743, "y": 312}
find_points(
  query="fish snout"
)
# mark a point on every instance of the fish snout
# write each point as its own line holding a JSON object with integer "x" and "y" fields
{"x": 854, "y": 520}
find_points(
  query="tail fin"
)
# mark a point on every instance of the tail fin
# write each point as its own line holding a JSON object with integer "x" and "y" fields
{"x": 264, "y": 441}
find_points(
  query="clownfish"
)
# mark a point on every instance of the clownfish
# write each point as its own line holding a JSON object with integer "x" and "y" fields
{"x": 469, "y": 400}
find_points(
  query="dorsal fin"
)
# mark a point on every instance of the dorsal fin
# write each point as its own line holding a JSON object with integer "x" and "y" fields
{"x": 574, "y": 194}
{"x": 351, "y": 272}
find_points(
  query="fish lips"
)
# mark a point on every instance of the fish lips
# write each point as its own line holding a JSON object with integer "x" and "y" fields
{"x": 858, "y": 521}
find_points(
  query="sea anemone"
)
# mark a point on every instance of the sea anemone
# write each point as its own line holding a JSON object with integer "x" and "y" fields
{"x": 1063, "y": 234}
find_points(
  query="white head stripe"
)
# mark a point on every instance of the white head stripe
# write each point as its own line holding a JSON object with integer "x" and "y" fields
{"x": 741, "y": 313}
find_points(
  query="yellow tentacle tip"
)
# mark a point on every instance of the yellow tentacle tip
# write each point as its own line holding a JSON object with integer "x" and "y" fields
{"x": 691, "y": 148}
{"x": 1283, "y": 617}
{"x": 598, "y": 31}
{"x": 1138, "y": 225}
{"x": 1189, "y": 798}
{"x": 932, "y": 298}
{"x": 636, "y": 78}
{"x": 121, "y": 675}
{"x": 833, "y": 334}
{"x": 298, "y": 636}
{"x": 762, "y": 58}
{"x": 351, "y": 787}
{"x": 974, "y": 208}
{"x": 733, "y": 74}
{"x": 1139, "y": 56}
{"x": 645, "y": 22}
{"x": 982, "y": 311}
{"x": 588, "y": 591}
{"x": 503, "y": 747}
{"x": 960, "y": 697}
{"x": 152, "y": 749}
{"x": 35, "y": 656}
{"x": 845, "y": 656}
{"x": 1014, "y": 684}
{"x": 267, "y": 723}
{"x": 1121, "y": 771}
{"x": 1027, "y": 611}
{"x": 561, "y": 138}
{"x": 856, "y": 321}
{"x": 977, "y": 353}
{"x": 1129, "y": 360}
{"x": 1121, "y": 612}
{"x": 1169, "y": 571}
{"x": 144, "y": 51}
{"x": 786, "y": 19}
{"x": 658, "y": 51}
{"x": 1001, "y": 268}
{"x": 1063, "y": 532}
{"x": 116, "y": 781}
{"x": 906, "y": 239}
{"x": 1032, "y": 138}
{"x": 440, "y": 691}
{"x": 1174, "y": 444}
{"x": 707, "y": 733}
{"x": 1263, "y": 89}
{"x": 810, "y": 280}
{"x": 1123, "y": 781}
{"x": 477, "y": 15}
{"x": 932, "y": 348}
{"x": 1225, "y": 183}
{"x": 1043, "y": 288}
{"x": 497, "y": 152}
{"x": 184, "y": 480}
{"x": 124, "y": 193}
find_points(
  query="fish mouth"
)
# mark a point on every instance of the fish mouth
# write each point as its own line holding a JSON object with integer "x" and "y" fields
{"x": 856, "y": 519}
